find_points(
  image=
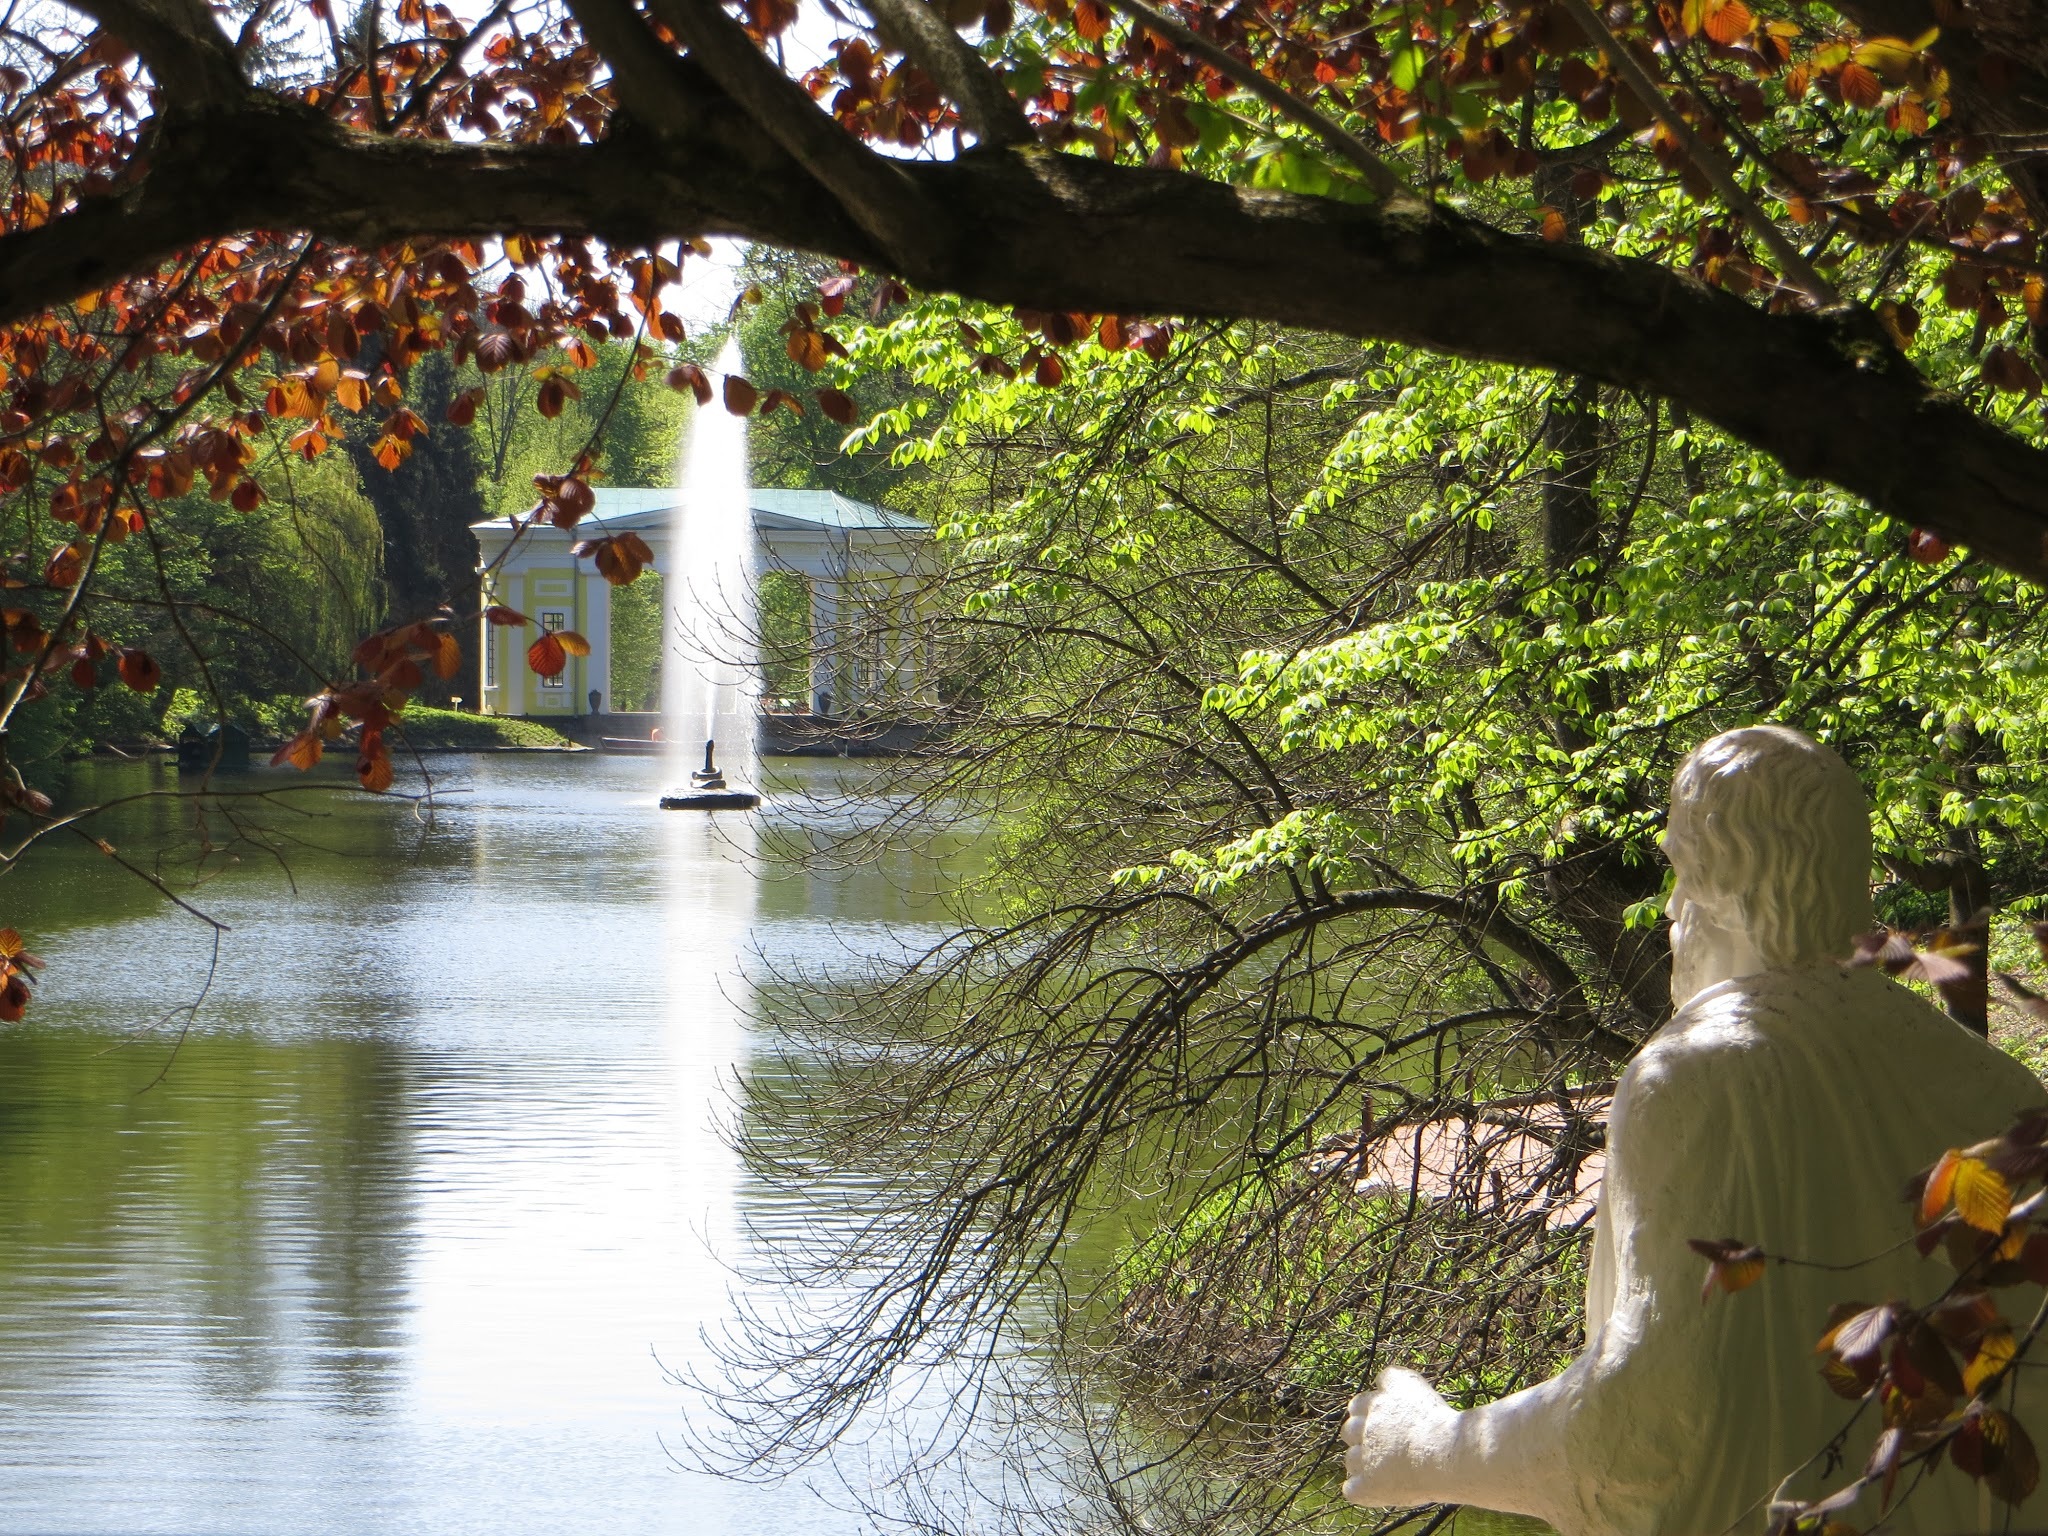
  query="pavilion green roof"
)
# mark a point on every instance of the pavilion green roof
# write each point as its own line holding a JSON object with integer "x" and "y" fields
{"x": 643, "y": 507}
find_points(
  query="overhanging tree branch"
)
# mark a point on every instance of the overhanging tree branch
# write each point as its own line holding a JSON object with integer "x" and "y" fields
{"x": 1827, "y": 394}
{"x": 886, "y": 204}
{"x": 192, "y": 60}
{"x": 990, "y": 112}
{"x": 650, "y": 80}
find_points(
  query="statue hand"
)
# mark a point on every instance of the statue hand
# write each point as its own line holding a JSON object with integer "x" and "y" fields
{"x": 1400, "y": 1438}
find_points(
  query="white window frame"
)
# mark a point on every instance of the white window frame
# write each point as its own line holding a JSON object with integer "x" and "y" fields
{"x": 553, "y": 620}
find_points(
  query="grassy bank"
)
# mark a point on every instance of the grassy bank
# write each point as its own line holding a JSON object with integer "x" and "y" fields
{"x": 446, "y": 728}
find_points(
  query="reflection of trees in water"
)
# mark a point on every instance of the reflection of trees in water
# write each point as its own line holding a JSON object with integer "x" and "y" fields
{"x": 257, "y": 1204}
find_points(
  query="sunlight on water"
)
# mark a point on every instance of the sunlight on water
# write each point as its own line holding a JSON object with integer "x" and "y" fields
{"x": 432, "y": 1195}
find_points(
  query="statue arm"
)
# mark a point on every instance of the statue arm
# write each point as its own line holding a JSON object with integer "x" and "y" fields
{"x": 1546, "y": 1450}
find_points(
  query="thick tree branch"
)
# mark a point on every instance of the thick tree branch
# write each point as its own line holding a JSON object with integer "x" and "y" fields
{"x": 990, "y": 111}
{"x": 650, "y": 80}
{"x": 191, "y": 59}
{"x": 1825, "y": 393}
{"x": 876, "y": 192}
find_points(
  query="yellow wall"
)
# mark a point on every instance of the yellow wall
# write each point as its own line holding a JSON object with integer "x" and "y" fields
{"x": 538, "y": 592}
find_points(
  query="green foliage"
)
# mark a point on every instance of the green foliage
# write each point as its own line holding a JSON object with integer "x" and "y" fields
{"x": 639, "y": 612}
{"x": 642, "y": 435}
{"x": 785, "y": 621}
{"x": 1723, "y": 590}
{"x": 809, "y": 450}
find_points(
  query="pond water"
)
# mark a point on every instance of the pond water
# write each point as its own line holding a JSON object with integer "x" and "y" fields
{"x": 431, "y": 1201}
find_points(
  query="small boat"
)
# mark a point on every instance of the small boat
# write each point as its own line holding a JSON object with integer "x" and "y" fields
{"x": 220, "y": 746}
{"x": 632, "y": 746}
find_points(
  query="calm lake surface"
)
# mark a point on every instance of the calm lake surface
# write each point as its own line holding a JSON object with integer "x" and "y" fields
{"x": 431, "y": 1200}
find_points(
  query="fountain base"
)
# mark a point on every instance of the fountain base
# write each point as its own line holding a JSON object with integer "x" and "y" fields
{"x": 711, "y": 800}
{"x": 708, "y": 790}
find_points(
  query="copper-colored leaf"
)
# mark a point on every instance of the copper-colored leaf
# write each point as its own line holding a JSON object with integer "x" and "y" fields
{"x": 509, "y": 617}
{"x": 302, "y": 751}
{"x": 739, "y": 395}
{"x": 139, "y": 670}
{"x": 1982, "y": 1196}
{"x": 373, "y": 764}
{"x": 1732, "y": 1264}
{"x": 1940, "y": 1186}
{"x": 570, "y": 641}
{"x": 838, "y": 406}
{"x": 547, "y": 656}
{"x": 1926, "y": 548}
{"x": 1860, "y": 87}
{"x": 689, "y": 376}
{"x": 447, "y": 654}
{"x": 1726, "y": 21}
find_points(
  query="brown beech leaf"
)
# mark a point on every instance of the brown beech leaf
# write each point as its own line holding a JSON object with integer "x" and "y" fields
{"x": 570, "y": 641}
{"x": 1732, "y": 1264}
{"x": 2034, "y": 1002}
{"x": 373, "y": 763}
{"x": 1926, "y": 548}
{"x": 619, "y": 558}
{"x": 1861, "y": 1336}
{"x": 547, "y": 656}
{"x": 302, "y": 751}
{"x": 1860, "y": 87}
{"x": 739, "y": 395}
{"x": 447, "y": 654}
{"x": 498, "y": 614}
{"x": 838, "y": 406}
{"x": 139, "y": 670}
{"x": 1982, "y": 1197}
{"x": 689, "y": 376}
{"x": 1726, "y": 21}
{"x": 2005, "y": 369}
{"x": 1939, "y": 1187}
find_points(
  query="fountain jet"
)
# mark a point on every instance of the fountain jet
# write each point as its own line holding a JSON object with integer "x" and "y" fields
{"x": 711, "y": 675}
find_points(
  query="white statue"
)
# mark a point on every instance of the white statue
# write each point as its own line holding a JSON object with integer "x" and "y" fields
{"x": 1784, "y": 1105}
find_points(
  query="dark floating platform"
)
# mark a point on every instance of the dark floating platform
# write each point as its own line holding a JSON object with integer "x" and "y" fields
{"x": 710, "y": 800}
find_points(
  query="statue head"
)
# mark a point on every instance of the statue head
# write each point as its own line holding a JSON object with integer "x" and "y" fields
{"x": 1769, "y": 837}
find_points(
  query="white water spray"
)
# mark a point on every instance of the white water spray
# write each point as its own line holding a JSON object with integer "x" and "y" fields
{"x": 712, "y": 671}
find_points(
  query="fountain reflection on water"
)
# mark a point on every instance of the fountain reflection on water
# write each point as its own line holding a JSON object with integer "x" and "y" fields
{"x": 712, "y": 696}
